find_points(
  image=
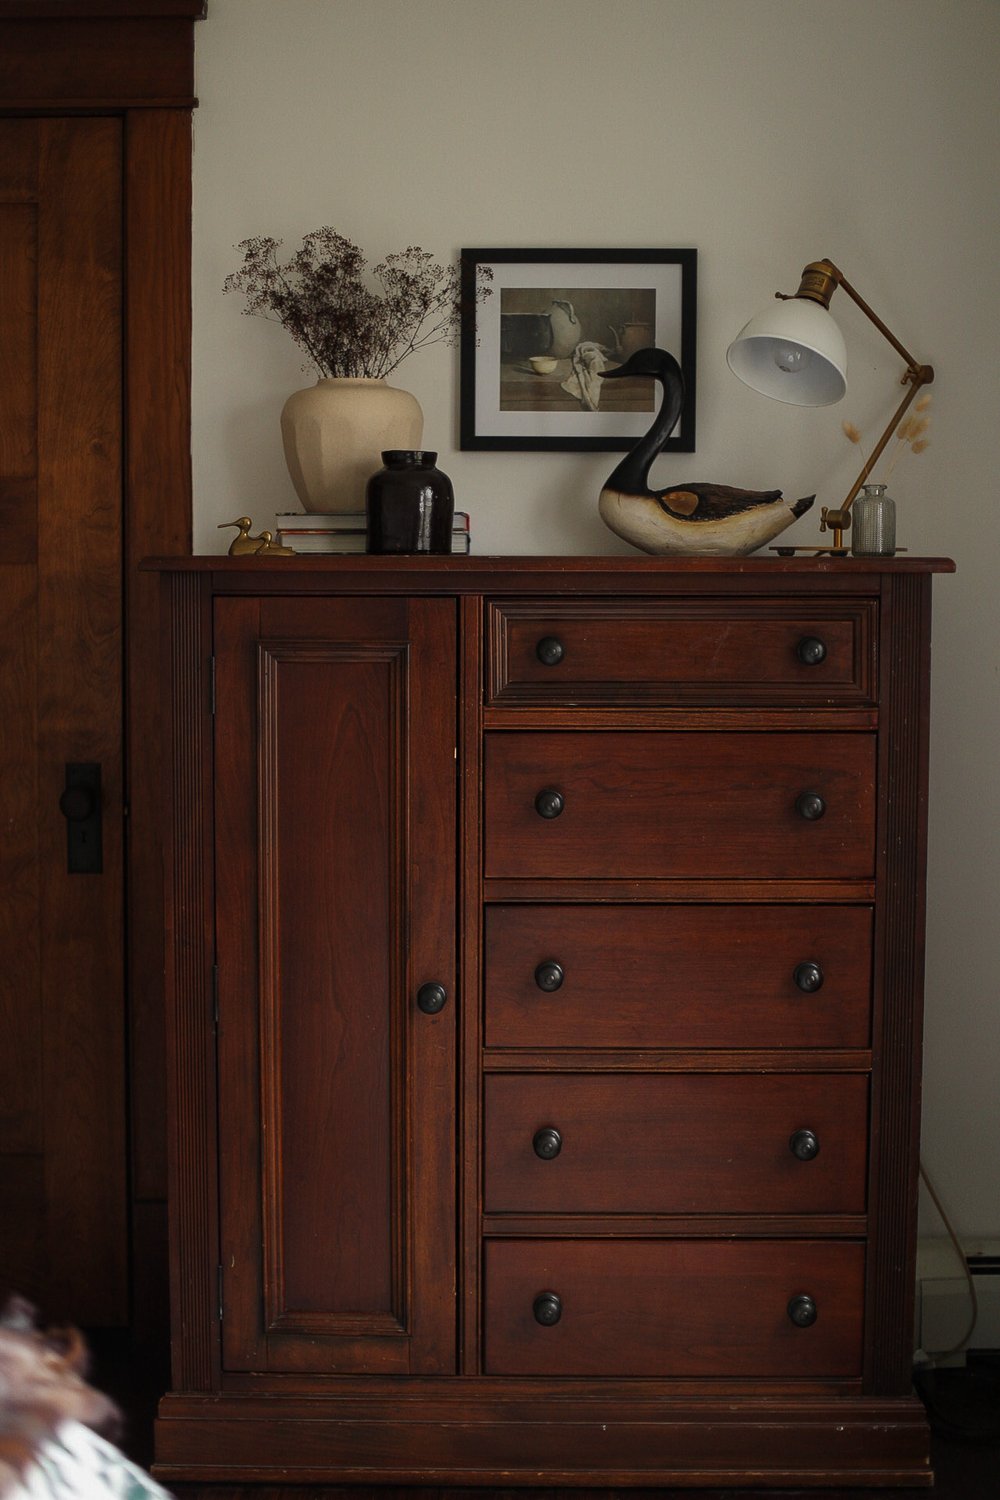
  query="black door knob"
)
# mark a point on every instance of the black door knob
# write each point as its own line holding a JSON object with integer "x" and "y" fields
{"x": 431, "y": 998}
{"x": 547, "y": 1309}
{"x": 550, "y": 651}
{"x": 549, "y": 803}
{"x": 808, "y": 977}
{"x": 811, "y": 651}
{"x": 804, "y": 1144}
{"x": 547, "y": 1143}
{"x": 802, "y": 1311}
{"x": 810, "y": 805}
{"x": 77, "y": 803}
{"x": 549, "y": 976}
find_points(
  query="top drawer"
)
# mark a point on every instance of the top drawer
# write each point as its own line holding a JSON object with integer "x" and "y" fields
{"x": 622, "y": 652}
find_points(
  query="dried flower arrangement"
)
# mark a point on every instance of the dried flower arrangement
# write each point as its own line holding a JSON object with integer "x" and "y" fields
{"x": 911, "y": 433}
{"x": 348, "y": 323}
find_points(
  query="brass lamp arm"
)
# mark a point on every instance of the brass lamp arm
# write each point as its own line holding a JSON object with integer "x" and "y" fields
{"x": 886, "y": 333}
{"x": 915, "y": 376}
{"x": 820, "y": 280}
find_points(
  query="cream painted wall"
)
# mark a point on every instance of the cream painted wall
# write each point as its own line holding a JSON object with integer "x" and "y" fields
{"x": 766, "y": 133}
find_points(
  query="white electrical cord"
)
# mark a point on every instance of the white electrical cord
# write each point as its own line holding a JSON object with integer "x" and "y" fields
{"x": 973, "y": 1300}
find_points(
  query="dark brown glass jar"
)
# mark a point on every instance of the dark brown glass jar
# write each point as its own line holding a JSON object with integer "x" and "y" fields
{"x": 410, "y": 504}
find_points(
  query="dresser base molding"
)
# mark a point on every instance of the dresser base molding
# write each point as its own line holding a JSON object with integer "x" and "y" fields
{"x": 527, "y": 1438}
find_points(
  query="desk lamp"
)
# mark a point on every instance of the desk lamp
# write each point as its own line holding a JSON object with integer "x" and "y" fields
{"x": 795, "y": 352}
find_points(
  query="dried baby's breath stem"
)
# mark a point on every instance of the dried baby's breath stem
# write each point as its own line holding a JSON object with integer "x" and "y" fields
{"x": 351, "y": 321}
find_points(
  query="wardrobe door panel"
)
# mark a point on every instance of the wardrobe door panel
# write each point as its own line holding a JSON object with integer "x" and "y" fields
{"x": 334, "y": 833}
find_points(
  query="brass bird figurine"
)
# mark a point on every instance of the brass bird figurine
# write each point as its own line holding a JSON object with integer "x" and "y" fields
{"x": 694, "y": 519}
{"x": 270, "y": 548}
{"x": 245, "y": 545}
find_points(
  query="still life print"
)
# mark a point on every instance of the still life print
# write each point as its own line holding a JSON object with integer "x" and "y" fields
{"x": 535, "y": 359}
{"x": 555, "y": 360}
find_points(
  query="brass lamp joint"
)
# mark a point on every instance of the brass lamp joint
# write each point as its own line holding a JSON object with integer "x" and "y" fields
{"x": 835, "y": 520}
{"x": 917, "y": 375}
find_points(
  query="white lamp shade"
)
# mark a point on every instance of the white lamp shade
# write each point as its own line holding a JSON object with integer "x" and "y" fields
{"x": 794, "y": 352}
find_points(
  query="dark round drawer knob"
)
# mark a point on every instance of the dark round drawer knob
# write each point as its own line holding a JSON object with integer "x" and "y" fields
{"x": 549, "y": 803}
{"x": 810, "y": 805}
{"x": 804, "y": 1144}
{"x": 550, "y": 651}
{"x": 808, "y": 977}
{"x": 802, "y": 1311}
{"x": 431, "y": 998}
{"x": 547, "y": 1143}
{"x": 547, "y": 1309}
{"x": 811, "y": 651}
{"x": 549, "y": 976}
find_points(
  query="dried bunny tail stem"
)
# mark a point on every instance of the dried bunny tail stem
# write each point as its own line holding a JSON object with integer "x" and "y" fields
{"x": 908, "y": 435}
{"x": 915, "y": 441}
{"x": 854, "y": 436}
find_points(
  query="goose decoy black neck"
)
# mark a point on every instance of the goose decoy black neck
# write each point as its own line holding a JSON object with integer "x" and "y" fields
{"x": 632, "y": 474}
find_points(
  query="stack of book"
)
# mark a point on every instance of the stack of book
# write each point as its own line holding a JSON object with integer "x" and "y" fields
{"x": 329, "y": 531}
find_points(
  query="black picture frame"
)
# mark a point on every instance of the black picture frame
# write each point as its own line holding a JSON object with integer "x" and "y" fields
{"x": 500, "y": 336}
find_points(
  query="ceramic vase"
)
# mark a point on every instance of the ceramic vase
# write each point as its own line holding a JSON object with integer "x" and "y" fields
{"x": 410, "y": 505}
{"x": 335, "y": 432}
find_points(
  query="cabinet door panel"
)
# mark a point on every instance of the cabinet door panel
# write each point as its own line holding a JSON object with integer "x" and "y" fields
{"x": 702, "y": 806}
{"x": 335, "y": 839}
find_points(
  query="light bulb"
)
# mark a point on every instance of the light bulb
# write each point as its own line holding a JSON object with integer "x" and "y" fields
{"x": 791, "y": 359}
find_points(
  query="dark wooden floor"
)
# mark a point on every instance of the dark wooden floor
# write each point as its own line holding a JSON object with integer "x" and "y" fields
{"x": 964, "y": 1407}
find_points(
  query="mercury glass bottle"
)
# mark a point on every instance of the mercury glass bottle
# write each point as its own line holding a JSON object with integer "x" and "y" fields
{"x": 873, "y": 517}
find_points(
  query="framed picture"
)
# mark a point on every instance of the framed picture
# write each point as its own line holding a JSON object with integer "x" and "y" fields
{"x": 533, "y": 351}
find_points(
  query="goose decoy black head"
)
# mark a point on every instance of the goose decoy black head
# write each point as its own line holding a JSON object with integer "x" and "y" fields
{"x": 648, "y": 362}
{"x": 697, "y": 519}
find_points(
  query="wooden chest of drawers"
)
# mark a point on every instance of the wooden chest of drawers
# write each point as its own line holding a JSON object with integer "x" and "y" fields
{"x": 545, "y": 1016}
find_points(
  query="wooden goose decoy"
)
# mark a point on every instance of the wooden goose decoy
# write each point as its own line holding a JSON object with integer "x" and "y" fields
{"x": 693, "y": 519}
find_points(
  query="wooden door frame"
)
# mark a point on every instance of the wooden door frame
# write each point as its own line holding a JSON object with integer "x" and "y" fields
{"x": 134, "y": 59}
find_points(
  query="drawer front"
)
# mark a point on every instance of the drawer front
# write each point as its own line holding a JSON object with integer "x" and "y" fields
{"x": 675, "y": 1143}
{"x": 622, "y": 652}
{"x": 673, "y": 1308}
{"x": 679, "y": 805}
{"x": 677, "y": 976}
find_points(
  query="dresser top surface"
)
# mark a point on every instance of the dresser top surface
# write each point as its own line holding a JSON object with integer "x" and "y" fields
{"x": 473, "y": 573}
